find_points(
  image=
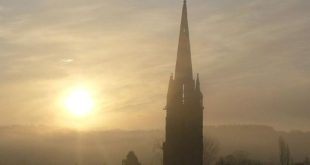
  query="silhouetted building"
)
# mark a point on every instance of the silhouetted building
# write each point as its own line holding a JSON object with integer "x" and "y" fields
{"x": 131, "y": 159}
{"x": 184, "y": 120}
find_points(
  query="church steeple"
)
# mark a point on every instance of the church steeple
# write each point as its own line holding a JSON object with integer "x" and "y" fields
{"x": 184, "y": 120}
{"x": 183, "y": 69}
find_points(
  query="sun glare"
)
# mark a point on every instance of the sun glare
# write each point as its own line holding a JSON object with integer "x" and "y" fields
{"x": 79, "y": 102}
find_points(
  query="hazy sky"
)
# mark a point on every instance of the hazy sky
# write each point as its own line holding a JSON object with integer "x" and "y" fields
{"x": 252, "y": 55}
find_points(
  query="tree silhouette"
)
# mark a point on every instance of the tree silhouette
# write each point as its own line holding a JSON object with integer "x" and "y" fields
{"x": 307, "y": 161}
{"x": 238, "y": 158}
{"x": 210, "y": 149}
{"x": 131, "y": 159}
{"x": 285, "y": 155}
{"x": 157, "y": 151}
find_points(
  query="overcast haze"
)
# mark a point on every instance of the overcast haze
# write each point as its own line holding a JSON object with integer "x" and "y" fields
{"x": 252, "y": 56}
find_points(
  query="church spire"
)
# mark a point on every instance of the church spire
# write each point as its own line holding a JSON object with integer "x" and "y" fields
{"x": 183, "y": 69}
{"x": 184, "y": 120}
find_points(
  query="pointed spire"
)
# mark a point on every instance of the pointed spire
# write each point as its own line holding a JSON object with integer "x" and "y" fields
{"x": 198, "y": 90}
{"x": 183, "y": 69}
{"x": 170, "y": 84}
{"x": 170, "y": 91}
{"x": 198, "y": 83}
{"x": 170, "y": 80}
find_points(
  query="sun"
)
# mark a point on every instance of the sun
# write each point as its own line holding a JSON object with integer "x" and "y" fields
{"x": 79, "y": 102}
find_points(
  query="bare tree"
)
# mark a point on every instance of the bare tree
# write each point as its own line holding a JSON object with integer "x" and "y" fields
{"x": 307, "y": 161}
{"x": 157, "y": 151}
{"x": 285, "y": 155}
{"x": 210, "y": 149}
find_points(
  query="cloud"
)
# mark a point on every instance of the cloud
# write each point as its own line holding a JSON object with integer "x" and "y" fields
{"x": 250, "y": 49}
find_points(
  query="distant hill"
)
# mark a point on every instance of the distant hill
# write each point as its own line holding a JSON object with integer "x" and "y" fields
{"x": 261, "y": 142}
{"x": 53, "y": 146}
